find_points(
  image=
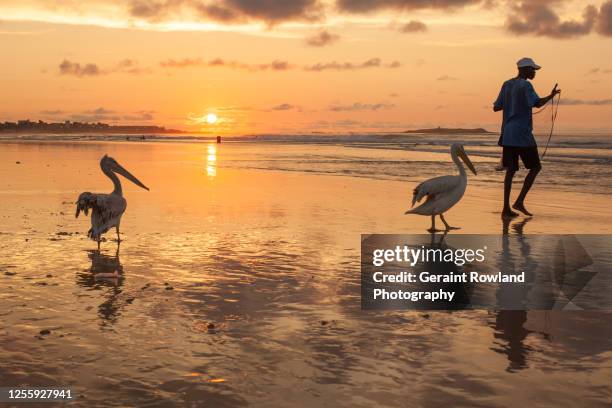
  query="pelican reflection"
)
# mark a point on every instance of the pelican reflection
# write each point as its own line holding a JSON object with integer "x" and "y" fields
{"x": 105, "y": 275}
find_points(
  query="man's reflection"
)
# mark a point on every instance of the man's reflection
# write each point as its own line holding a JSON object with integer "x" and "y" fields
{"x": 510, "y": 324}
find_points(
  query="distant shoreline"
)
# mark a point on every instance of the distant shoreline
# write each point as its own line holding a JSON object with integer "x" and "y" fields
{"x": 450, "y": 131}
{"x": 68, "y": 127}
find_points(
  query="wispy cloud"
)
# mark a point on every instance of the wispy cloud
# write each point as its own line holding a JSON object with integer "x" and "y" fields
{"x": 590, "y": 102}
{"x": 79, "y": 70}
{"x": 100, "y": 114}
{"x": 322, "y": 38}
{"x": 283, "y": 107}
{"x": 446, "y": 78}
{"x": 52, "y": 112}
{"x": 145, "y": 115}
{"x": 413, "y": 26}
{"x": 349, "y": 66}
{"x": 358, "y": 106}
{"x": 276, "y": 65}
{"x": 182, "y": 63}
{"x": 126, "y": 66}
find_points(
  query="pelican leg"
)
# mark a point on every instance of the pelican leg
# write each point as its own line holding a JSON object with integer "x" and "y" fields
{"x": 433, "y": 225}
{"x": 117, "y": 229}
{"x": 98, "y": 243}
{"x": 448, "y": 227}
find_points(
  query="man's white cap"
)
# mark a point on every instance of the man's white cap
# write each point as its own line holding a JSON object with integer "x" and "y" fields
{"x": 527, "y": 62}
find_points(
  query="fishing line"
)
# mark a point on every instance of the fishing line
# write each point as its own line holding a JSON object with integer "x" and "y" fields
{"x": 553, "y": 117}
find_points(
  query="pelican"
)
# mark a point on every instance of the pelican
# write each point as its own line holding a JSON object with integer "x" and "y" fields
{"x": 106, "y": 209}
{"x": 442, "y": 192}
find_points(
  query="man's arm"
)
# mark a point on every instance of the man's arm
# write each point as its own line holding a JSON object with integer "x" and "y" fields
{"x": 543, "y": 101}
{"x": 499, "y": 102}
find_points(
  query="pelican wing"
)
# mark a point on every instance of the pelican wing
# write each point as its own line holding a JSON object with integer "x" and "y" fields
{"x": 433, "y": 187}
{"x": 104, "y": 205}
{"x": 86, "y": 201}
{"x": 106, "y": 211}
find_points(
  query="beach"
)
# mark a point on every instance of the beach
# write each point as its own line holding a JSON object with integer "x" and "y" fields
{"x": 238, "y": 279}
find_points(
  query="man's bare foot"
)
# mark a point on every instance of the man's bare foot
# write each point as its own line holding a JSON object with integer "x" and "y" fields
{"x": 521, "y": 207}
{"x": 508, "y": 213}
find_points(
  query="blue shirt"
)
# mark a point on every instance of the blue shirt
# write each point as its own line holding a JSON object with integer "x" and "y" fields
{"x": 516, "y": 98}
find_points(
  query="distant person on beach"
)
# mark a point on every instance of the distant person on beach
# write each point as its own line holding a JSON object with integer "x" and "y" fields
{"x": 516, "y": 99}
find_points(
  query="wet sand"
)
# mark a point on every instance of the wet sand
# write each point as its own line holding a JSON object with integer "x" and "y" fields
{"x": 241, "y": 287}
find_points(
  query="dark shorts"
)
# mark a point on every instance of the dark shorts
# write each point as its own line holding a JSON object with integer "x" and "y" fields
{"x": 529, "y": 156}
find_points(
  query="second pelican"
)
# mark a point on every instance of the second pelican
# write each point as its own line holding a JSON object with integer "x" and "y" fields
{"x": 442, "y": 192}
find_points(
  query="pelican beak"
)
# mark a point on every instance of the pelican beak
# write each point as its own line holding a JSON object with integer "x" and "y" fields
{"x": 119, "y": 169}
{"x": 467, "y": 160}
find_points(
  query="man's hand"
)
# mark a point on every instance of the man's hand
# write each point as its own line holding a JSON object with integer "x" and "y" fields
{"x": 542, "y": 101}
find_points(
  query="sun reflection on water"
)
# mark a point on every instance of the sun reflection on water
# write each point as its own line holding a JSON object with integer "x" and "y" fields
{"x": 211, "y": 161}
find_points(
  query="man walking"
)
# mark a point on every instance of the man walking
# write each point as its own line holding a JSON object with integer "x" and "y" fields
{"x": 516, "y": 99}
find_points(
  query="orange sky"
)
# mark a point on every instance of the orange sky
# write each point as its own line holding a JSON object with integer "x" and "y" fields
{"x": 270, "y": 66}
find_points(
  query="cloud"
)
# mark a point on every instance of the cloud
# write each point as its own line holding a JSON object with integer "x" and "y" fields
{"x": 590, "y": 102}
{"x": 184, "y": 63}
{"x": 79, "y": 117}
{"x": 348, "y": 66}
{"x": 357, "y": 106}
{"x": 229, "y": 11}
{"x": 75, "y": 69}
{"x": 276, "y": 65}
{"x": 283, "y": 107}
{"x": 139, "y": 116}
{"x": 413, "y": 26}
{"x": 539, "y": 18}
{"x": 99, "y": 111}
{"x": 446, "y": 78}
{"x": 100, "y": 114}
{"x": 129, "y": 66}
{"x": 596, "y": 71}
{"x": 51, "y": 112}
{"x": 604, "y": 21}
{"x": 365, "y": 6}
{"x": 126, "y": 66}
{"x": 322, "y": 38}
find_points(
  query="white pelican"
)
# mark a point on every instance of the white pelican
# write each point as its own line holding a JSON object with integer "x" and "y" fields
{"x": 442, "y": 192}
{"x": 106, "y": 209}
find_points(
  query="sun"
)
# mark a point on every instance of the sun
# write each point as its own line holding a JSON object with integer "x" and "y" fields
{"x": 211, "y": 118}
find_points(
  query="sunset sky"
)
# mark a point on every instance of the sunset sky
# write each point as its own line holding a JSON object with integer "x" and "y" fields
{"x": 272, "y": 66}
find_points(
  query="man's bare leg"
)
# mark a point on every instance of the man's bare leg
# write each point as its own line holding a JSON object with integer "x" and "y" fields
{"x": 506, "y": 211}
{"x": 519, "y": 204}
